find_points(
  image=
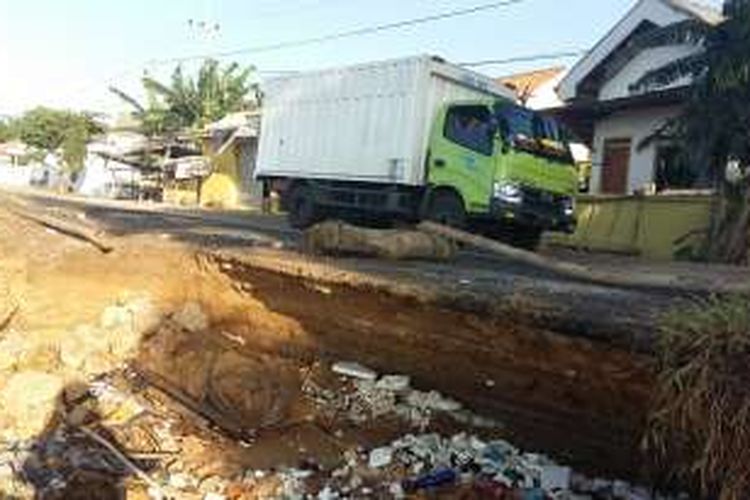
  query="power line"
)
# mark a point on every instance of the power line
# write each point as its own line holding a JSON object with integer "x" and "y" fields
{"x": 369, "y": 30}
{"x": 529, "y": 58}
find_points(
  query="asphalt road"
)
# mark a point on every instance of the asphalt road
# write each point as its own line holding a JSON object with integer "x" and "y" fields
{"x": 627, "y": 318}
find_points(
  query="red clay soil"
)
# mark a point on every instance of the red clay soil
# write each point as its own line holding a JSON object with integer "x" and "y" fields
{"x": 582, "y": 402}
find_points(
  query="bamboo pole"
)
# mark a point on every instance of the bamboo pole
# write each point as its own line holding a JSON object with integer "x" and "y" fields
{"x": 577, "y": 271}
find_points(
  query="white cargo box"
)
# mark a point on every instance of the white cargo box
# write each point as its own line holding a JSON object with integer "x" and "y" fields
{"x": 368, "y": 123}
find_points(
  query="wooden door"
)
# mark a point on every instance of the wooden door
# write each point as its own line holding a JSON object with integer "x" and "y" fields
{"x": 616, "y": 166}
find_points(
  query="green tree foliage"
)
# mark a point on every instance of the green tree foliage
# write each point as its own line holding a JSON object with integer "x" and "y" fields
{"x": 714, "y": 128}
{"x": 43, "y": 128}
{"x": 48, "y": 130}
{"x": 191, "y": 102}
{"x": 7, "y": 131}
{"x": 74, "y": 145}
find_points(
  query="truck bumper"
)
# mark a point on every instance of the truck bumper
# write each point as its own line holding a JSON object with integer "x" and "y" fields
{"x": 550, "y": 216}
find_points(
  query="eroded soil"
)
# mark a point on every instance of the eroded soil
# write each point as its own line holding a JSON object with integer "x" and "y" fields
{"x": 582, "y": 402}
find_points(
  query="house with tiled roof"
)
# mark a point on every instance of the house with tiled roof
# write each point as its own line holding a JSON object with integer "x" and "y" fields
{"x": 618, "y": 122}
{"x": 536, "y": 89}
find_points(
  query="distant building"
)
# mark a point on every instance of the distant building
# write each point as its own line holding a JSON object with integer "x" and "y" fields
{"x": 111, "y": 169}
{"x": 536, "y": 89}
{"x": 231, "y": 147}
{"x": 614, "y": 120}
{"x": 13, "y": 153}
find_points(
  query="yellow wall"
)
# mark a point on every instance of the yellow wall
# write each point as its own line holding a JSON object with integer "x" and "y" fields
{"x": 182, "y": 197}
{"x": 651, "y": 226}
{"x": 222, "y": 187}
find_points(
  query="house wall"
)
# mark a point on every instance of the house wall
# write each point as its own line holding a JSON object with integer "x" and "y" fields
{"x": 635, "y": 125}
{"x": 221, "y": 188}
{"x": 231, "y": 181}
{"x": 545, "y": 96}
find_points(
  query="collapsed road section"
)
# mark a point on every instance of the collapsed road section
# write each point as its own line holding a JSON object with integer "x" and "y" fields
{"x": 165, "y": 371}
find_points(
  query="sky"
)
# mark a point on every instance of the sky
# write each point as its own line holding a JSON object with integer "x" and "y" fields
{"x": 65, "y": 53}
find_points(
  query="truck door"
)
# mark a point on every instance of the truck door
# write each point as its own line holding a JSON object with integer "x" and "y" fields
{"x": 461, "y": 154}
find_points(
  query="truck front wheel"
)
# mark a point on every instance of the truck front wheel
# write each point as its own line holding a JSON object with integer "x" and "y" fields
{"x": 447, "y": 208}
{"x": 302, "y": 209}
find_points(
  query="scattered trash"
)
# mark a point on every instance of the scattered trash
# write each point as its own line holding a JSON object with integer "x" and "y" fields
{"x": 354, "y": 370}
{"x": 418, "y": 462}
{"x": 435, "y": 479}
{"x": 554, "y": 477}
{"x": 380, "y": 457}
{"x": 395, "y": 383}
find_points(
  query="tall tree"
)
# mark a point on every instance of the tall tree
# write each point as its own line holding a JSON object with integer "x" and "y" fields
{"x": 192, "y": 102}
{"x": 714, "y": 128}
{"x": 49, "y": 129}
{"x": 7, "y": 130}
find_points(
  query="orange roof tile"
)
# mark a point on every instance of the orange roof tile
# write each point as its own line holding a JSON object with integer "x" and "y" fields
{"x": 526, "y": 83}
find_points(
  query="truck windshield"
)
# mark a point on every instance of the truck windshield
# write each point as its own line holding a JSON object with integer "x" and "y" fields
{"x": 528, "y": 131}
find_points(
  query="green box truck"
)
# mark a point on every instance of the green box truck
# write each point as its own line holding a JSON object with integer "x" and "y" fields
{"x": 414, "y": 139}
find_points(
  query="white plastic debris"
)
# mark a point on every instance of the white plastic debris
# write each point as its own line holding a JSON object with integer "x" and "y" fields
{"x": 554, "y": 477}
{"x": 181, "y": 481}
{"x": 395, "y": 383}
{"x": 328, "y": 493}
{"x": 354, "y": 370}
{"x": 396, "y": 490}
{"x": 380, "y": 457}
{"x": 432, "y": 400}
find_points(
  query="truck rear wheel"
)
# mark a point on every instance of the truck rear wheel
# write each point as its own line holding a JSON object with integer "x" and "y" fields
{"x": 302, "y": 209}
{"x": 447, "y": 208}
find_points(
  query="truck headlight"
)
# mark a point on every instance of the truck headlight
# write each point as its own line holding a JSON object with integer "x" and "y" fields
{"x": 509, "y": 192}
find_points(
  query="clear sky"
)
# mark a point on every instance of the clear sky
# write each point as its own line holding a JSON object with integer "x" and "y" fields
{"x": 65, "y": 52}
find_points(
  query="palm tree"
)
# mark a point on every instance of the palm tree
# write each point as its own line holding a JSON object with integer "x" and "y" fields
{"x": 188, "y": 103}
{"x": 714, "y": 128}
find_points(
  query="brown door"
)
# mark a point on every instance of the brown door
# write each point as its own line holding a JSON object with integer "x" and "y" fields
{"x": 616, "y": 166}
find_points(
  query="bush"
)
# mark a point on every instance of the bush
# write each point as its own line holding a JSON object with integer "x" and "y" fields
{"x": 699, "y": 430}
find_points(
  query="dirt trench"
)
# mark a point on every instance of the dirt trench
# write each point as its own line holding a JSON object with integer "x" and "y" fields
{"x": 581, "y": 402}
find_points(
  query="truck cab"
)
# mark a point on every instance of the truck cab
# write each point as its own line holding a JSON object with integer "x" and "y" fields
{"x": 501, "y": 166}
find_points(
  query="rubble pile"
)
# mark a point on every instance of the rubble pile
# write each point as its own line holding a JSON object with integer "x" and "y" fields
{"x": 77, "y": 413}
{"x": 463, "y": 462}
{"x": 109, "y": 433}
{"x": 368, "y": 397}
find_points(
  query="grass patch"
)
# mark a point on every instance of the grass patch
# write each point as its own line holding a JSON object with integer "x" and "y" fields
{"x": 699, "y": 429}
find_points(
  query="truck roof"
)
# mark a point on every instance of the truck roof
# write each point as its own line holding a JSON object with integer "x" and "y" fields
{"x": 457, "y": 72}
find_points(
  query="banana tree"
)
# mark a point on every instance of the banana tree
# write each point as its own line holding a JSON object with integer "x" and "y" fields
{"x": 191, "y": 103}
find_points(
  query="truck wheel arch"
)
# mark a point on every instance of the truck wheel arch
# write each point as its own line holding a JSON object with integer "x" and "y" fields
{"x": 301, "y": 205}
